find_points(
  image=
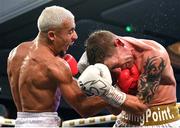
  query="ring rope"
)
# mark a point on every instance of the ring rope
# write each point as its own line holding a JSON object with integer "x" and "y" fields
{"x": 5, "y": 121}
{"x": 90, "y": 121}
{"x": 75, "y": 122}
{"x": 94, "y": 120}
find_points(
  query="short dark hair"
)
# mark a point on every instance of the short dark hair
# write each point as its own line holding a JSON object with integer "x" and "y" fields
{"x": 99, "y": 45}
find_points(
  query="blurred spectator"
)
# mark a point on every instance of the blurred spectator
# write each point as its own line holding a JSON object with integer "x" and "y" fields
{"x": 174, "y": 54}
{"x": 3, "y": 111}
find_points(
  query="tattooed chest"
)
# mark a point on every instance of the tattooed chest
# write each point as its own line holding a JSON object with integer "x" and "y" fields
{"x": 150, "y": 78}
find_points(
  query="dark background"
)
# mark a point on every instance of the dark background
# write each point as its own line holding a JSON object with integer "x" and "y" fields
{"x": 152, "y": 19}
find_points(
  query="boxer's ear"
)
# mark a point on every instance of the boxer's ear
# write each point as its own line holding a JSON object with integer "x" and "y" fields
{"x": 118, "y": 42}
{"x": 51, "y": 35}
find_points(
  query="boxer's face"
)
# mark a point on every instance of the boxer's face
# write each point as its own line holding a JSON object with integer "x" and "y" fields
{"x": 65, "y": 36}
{"x": 125, "y": 57}
{"x": 121, "y": 58}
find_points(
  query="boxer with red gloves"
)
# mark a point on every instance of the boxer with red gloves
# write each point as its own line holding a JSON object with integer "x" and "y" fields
{"x": 156, "y": 86}
{"x": 39, "y": 76}
{"x": 72, "y": 63}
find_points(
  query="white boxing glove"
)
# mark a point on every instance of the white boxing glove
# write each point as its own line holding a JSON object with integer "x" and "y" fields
{"x": 104, "y": 72}
{"x": 83, "y": 62}
{"x": 92, "y": 82}
{"x": 96, "y": 80}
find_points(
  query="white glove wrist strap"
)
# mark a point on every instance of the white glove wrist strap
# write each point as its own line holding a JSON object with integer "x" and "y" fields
{"x": 115, "y": 97}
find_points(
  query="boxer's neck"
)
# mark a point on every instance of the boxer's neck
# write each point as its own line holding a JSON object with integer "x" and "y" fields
{"x": 42, "y": 39}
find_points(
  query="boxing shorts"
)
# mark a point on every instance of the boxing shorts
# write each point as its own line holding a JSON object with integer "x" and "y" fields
{"x": 38, "y": 120}
{"x": 156, "y": 116}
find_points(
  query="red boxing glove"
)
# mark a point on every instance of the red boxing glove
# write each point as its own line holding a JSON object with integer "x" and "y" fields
{"x": 128, "y": 78}
{"x": 72, "y": 63}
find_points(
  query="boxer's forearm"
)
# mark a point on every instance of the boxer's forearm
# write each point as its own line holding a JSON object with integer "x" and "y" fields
{"x": 114, "y": 110}
{"x": 132, "y": 104}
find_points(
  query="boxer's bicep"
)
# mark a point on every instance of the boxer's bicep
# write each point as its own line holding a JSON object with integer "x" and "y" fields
{"x": 150, "y": 78}
{"x": 72, "y": 94}
{"x": 68, "y": 86}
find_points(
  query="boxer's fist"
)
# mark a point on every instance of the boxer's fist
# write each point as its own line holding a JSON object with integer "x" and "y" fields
{"x": 104, "y": 72}
{"x": 72, "y": 63}
{"x": 127, "y": 79}
{"x": 96, "y": 80}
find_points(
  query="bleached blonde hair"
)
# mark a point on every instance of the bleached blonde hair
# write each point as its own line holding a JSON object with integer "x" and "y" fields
{"x": 53, "y": 16}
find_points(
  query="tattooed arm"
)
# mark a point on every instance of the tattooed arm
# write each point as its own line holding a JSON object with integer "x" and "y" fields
{"x": 150, "y": 78}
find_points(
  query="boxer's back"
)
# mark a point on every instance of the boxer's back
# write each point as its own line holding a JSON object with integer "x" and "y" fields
{"x": 15, "y": 59}
{"x": 32, "y": 88}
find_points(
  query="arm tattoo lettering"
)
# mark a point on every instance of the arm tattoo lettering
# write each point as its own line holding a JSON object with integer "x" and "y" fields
{"x": 150, "y": 78}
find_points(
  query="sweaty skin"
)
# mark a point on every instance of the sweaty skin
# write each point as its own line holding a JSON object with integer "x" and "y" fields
{"x": 157, "y": 83}
{"x": 38, "y": 77}
{"x": 27, "y": 70}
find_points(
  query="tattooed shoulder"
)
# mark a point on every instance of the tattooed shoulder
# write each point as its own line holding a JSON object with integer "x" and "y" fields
{"x": 150, "y": 78}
